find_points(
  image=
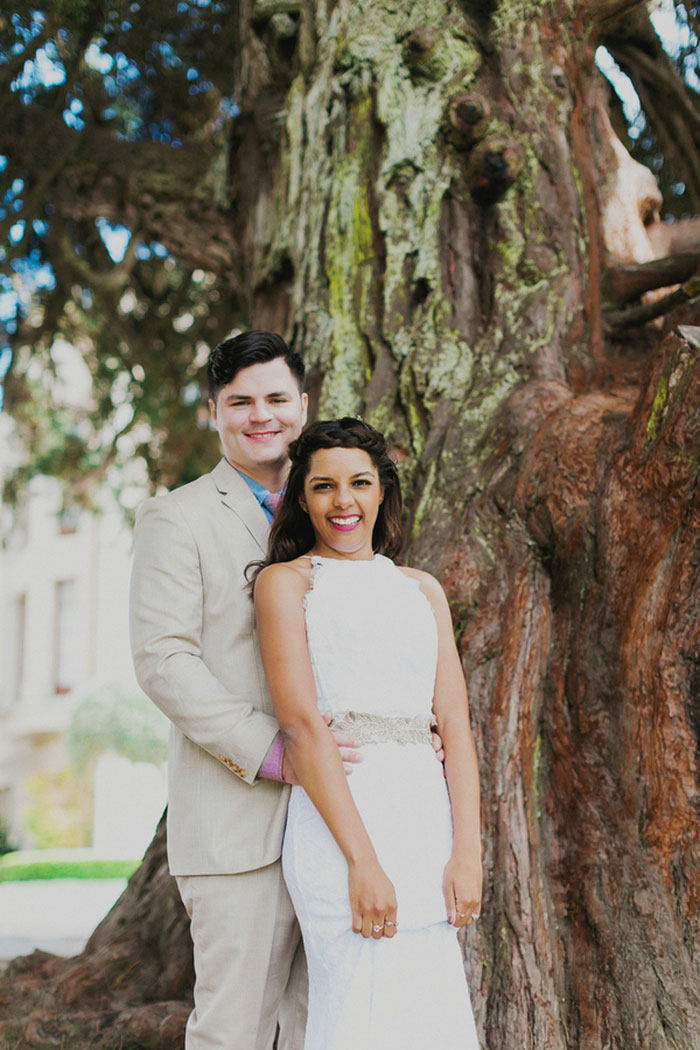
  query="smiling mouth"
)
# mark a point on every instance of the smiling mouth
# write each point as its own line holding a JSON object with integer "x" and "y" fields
{"x": 255, "y": 434}
{"x": 345, "y": 523}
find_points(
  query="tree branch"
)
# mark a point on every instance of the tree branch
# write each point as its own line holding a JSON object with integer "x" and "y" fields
{"x": 133, "y": 183}
{"x": 113, "y": 280}
{"x": 658, "y": 77}
{"x": 635, "y": 316}
{"x": 604, "y": 10}
{"x": 623, "y": 282}
{"x": 670, "y": 105}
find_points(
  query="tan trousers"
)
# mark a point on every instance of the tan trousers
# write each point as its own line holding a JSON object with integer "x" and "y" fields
{"x": 250, "y": 969}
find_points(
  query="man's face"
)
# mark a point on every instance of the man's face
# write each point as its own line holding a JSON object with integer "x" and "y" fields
{"x": 258, "y": 415}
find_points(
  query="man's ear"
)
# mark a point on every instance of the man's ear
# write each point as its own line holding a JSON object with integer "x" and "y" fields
{"x": 212, "y": 410}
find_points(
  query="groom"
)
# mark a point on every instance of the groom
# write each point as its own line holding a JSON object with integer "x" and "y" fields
{"x": 196, "y": 656}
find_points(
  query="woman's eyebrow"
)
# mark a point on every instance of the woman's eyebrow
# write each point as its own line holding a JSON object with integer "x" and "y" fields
{"x": 360, "y": 474}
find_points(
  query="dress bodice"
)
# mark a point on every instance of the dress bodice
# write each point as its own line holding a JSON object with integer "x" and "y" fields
{"x": 372, "y": 638}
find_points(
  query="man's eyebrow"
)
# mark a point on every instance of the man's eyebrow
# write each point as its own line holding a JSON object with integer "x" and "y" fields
{"x": 249, "y": 397}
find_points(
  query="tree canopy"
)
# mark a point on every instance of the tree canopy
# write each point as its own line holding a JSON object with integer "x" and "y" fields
{"x": 120, "y": 146}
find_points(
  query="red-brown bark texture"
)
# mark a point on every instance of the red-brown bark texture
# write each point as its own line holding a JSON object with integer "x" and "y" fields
{"x": 130, "y": 987}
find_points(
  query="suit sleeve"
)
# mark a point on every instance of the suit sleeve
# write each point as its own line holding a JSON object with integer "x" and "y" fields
{"x": 166, "y": 637}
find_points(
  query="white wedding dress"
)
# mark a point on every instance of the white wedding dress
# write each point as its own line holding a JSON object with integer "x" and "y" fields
{"x": 373, "y": 644}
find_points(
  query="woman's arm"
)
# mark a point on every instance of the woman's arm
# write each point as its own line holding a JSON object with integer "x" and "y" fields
{"x": 462, "y": 881}
{"x": 279, "y": 593}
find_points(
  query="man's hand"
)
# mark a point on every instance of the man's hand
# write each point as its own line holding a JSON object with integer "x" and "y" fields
{"x": 288, "y": 774}
{"x": 347, "y": 745}
{"x": 349, "y": 753}
{"x": 437, "y": 745}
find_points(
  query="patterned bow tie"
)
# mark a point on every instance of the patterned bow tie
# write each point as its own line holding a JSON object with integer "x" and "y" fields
{"x": 272, "y": 501}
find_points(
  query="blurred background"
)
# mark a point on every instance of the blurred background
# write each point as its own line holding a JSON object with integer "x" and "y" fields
{"x": 82, "y": 751}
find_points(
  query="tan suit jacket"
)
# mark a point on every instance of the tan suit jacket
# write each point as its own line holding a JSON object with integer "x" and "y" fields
{"x": 196, "y": 656}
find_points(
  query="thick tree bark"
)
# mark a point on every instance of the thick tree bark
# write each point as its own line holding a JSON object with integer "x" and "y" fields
{"x": 130, "y": 988}
{"x": 445, "y": 257}
{"x": 419, "y": 192}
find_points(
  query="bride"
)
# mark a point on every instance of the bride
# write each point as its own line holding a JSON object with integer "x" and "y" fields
{"x": 381, "y": 867}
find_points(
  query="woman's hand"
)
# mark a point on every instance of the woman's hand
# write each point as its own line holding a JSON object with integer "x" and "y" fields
{"x": 372, "y": 900}
{"x": 461, "y": 885}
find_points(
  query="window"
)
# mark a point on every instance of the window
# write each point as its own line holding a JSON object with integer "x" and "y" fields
{"x": 65, "y": 637}
{"x": 68, "y": 519}
{"x": 16, "y": 642}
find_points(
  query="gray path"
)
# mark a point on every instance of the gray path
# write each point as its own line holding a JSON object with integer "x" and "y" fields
{"x": 56, "y": 915}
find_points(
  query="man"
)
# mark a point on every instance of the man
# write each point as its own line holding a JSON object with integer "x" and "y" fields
{"x": 196, "y": 656}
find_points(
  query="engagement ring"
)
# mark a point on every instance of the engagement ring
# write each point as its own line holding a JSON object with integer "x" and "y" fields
{"x": 378, "y": 928}
{"x": 388, "y": 922}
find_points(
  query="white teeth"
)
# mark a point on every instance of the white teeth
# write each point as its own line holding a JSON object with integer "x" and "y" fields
{"x": 346, "y": 521}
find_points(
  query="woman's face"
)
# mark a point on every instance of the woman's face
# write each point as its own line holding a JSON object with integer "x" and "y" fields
{"x": 342, "y": 494}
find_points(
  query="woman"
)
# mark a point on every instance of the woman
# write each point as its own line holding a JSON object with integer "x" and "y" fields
{"x": 383, "y": 866}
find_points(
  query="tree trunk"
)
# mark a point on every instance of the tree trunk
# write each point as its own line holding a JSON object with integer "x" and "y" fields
{"x": 130, "y": 988}
{"x": 435, "y": 235}
{"x": 418, "y": 192}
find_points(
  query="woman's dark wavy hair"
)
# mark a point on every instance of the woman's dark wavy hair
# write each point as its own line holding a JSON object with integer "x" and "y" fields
{"x": 292, "y": 534}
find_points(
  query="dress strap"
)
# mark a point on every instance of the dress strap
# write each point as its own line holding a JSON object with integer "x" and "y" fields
{"x": 315, "y": 567}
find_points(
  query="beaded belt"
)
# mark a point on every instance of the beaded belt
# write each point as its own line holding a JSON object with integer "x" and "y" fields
{"x": 383, "y": 729}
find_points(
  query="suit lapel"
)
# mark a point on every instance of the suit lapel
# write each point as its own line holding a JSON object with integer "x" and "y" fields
{"x": 236, "y": 495}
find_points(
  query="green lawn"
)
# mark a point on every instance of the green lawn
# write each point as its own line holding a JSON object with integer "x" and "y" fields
{"x": 62, "y": 864}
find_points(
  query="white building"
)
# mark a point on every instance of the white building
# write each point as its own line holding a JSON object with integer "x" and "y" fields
{"x": 64, "y": 578}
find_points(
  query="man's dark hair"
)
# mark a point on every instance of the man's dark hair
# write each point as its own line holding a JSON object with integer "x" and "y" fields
{"x": 250, "y": 348}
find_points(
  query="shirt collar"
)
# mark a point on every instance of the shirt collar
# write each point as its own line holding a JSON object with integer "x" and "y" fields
{"x": 259, "y": 491}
